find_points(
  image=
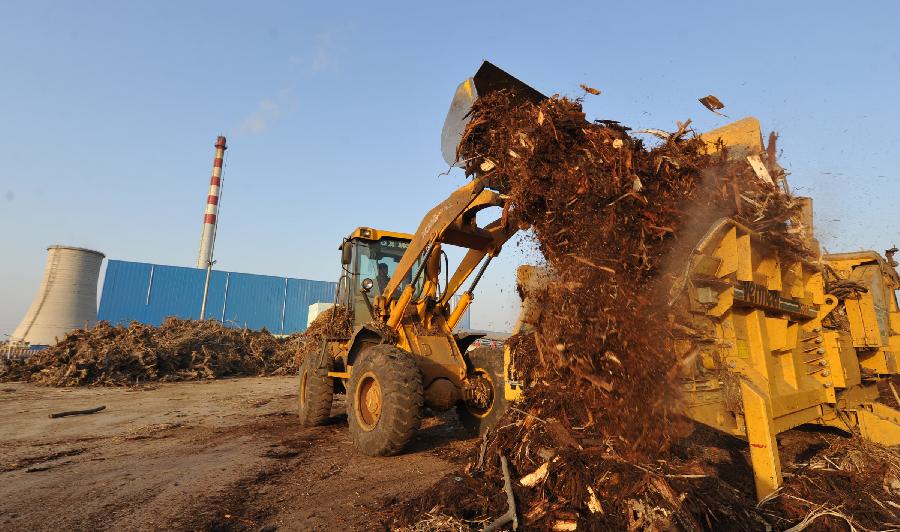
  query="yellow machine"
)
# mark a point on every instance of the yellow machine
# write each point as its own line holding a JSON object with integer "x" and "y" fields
{"x": 403, "y": 354}
{"x": 772, "y": 342}
{"x": 770, "y": 347}
{"x": 776, "y": 342}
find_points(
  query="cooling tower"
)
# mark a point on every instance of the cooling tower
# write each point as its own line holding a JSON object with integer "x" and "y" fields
{"x": 67, "y": 298}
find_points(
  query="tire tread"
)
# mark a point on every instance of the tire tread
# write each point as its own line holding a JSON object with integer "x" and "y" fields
{"x": 402, "y": 400}
{"x": 320, "y": 394}
{"x": 491, "y": 360}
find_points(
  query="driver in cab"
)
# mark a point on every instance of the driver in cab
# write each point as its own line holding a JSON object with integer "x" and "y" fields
{"x": 381, "y": 281}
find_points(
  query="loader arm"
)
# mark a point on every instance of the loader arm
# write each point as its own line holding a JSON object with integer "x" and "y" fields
{"x": 501, "y": 232}
{"x": 452, "y": 222}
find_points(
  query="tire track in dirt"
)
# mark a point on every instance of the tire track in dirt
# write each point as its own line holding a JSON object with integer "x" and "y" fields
{"x": 315, "y": 479}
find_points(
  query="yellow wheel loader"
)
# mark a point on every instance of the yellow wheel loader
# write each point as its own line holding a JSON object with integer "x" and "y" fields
{"x": 403, "y": 354}
{"x": 773, "y": 342}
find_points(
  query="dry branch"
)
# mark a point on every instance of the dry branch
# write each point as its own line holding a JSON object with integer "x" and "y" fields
{"x": 78, "y": 412}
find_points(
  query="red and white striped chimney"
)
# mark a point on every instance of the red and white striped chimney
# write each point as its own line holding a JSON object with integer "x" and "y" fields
{"x": 208, "y": 236}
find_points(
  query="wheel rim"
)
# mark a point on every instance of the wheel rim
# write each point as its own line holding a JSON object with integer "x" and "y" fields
{"x": 368, "y": 401}
{"x": 303, "y": 387}
{"x": 478, "y": 410}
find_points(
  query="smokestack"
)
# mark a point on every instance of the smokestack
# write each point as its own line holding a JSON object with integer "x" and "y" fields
{"x": 67, "y": 298}
{"x": 208, "y": 236}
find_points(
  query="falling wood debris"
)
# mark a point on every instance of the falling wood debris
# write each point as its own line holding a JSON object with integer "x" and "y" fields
{"x": 598, "y": 441}
{"x": 713, "y": 104}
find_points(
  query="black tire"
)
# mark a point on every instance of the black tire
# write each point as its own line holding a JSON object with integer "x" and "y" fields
{"x": 384, "y": 400}
{"x": 316, "y": 393}
{"x": 489, "y": 362}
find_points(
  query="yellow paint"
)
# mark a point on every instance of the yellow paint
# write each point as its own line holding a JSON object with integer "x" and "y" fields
{"x": 398, "y": 308}
{"x": 510, "y": 393}
{"x": 879, "y": 423}
{"x": 460, "y": 309}
{"x": 742, "y": 137}
{"x": 369, "y": 233}
{"x": 761, "y": 438}
{"x": 744, "y": 253}
{"x": 863, "y": 323}
{"x": 785, "y": 369}
{"x": 727, "y": 253}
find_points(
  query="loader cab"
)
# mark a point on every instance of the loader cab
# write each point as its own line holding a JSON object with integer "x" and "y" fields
{"x": 369, "y": 254}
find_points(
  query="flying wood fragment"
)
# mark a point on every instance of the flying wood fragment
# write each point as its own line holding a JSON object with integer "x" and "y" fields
{"x": 591, "y": 90}
{"x": 760, "y": 169}
{"x": 713, "y": 104}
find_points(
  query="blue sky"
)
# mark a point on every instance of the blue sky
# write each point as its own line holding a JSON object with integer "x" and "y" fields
{"x": 333, "y": 111}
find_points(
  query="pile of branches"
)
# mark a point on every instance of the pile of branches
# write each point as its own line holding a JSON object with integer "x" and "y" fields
{"x": 335, "y": 322}
{"x": 831, "y": 482}
{"x": 845, "y": 482}
{"x": 177, "y": 350}
{"x": 597, "y": 439}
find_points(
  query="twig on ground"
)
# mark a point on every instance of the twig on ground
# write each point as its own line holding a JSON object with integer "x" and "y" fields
{"x": 78, "y": 412}
{"x": 822, "y": 512}
{"x": 510, "y": 515}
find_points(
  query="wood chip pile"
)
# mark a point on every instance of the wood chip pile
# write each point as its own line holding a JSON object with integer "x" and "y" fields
{"x": 178, "y": 350}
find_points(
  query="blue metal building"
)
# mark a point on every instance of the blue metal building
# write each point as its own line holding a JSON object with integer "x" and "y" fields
{"x": 148, "y": 293}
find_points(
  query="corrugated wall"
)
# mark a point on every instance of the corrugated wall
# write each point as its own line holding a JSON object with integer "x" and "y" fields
{"x": 148, "y": 293}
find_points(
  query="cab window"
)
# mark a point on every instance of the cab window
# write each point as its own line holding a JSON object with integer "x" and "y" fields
{"x": 377, "y": 260}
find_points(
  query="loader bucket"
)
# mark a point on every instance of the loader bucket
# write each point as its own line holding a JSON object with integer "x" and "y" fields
{"x": 489, "y": 78}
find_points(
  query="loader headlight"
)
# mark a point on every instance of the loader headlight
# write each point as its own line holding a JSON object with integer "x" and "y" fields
{"x": 367, "y": 284}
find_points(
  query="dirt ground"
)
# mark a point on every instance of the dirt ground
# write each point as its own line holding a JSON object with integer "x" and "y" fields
{"x": 214, "y": 455}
